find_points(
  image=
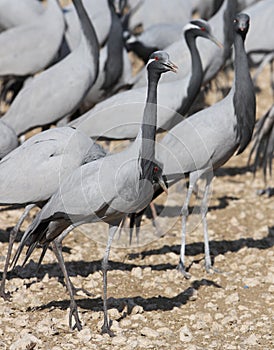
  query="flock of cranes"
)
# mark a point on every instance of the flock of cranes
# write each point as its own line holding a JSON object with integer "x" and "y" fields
{"x": 58, "y": 62}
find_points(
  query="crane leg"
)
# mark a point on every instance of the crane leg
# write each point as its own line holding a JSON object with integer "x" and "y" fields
{"x": 57, "y": 249}
{"x": 204, "y": 209}
{"x": 106, "y": 325}
{"x": 13, "y": 234}
{"x": 185, "y": 213}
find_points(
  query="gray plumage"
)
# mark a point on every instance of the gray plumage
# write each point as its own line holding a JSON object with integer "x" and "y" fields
{"x": 44, "y": 161}
{"x": 89, "y": 194}
{"x": 8, "y": 139}
{"x": 17, "y": 12}
{"x": 263, "y": 144}
{"x": 30, "y": 47}
{"x": 212, "y": 58}
{"x": 60, "y": 88}
{"x": 206, "y": 140}
{"x": 119, "y": 116}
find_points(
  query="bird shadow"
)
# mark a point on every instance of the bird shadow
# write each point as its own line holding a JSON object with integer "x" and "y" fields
{"x": 232, "y": 171}
{"x": 148, "y": 304}
{"x": 216, "y": 247}
{"x": 84, "y": 268}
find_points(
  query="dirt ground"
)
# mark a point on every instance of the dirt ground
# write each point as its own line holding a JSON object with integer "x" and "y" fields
{"x": 151, "y": 305}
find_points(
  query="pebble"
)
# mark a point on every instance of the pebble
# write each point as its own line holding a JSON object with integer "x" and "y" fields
{"x": 251, "y": 340}
{"x": 84, "y": 335}
{"x": 185, "y": 334}
{"x": 149, "y": 332}
{"x": 137, "y": 272}
{"x": 119, "y": 340}
{"x": 25, "y": 342}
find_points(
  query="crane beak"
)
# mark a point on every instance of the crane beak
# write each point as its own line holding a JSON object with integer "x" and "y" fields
{"x": 216, "y": 41}
{"x": 172, "y": 66}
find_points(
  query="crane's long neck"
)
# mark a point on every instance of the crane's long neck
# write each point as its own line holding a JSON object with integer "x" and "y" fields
{"x": 149, "y": 124}
{"x": 244, "y": 95}
{"x": 196, "y": 78}
{"x": 114, "y": 63}
{"x": 228, "y": 16}
{"x": 89, "y": 33}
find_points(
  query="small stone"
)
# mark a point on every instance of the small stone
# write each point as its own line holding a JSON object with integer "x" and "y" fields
{"x": 137, "y": 309}
{"x": 25, "y": 342}
{"x": 137, "y": 272}
{"x": 119, "y": 340}
{"x": 125, "y": 323}
{"x": 251, "y": 340}
{"x": 84, "y": 335}
{"x": 113, "y": 314}
{"x": 232, "y": 298}
{"x": 150, "y": 333}
{"x": 185, "y": 334}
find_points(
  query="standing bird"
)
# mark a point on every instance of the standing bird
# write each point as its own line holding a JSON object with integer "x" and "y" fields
{"x": 107, "y": 189}
{"x": 44, "y": 161}
{"x": 62, "y": 87}
{"x": 263, "y": 146}
{"x": 208, "y": 139}
{"x": 119, "y": 116}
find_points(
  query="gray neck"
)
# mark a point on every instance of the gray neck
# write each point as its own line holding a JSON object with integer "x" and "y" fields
{"x": 89, "y": 33}
{"x": 244, "y": 96}
{"x": 196, "y": 79}
{"x": 228, "y": 16}
{"x": 149, "y": 125}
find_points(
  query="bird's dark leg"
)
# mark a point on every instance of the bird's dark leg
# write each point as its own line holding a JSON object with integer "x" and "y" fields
{"x": 59, "y": 241}
{"x": 57, "y": 249}
{"x": 185, "y": 213}
{"x": 106, "y": 326}
{"x": 154, "y": 220}
{"x": 12, "y": 238}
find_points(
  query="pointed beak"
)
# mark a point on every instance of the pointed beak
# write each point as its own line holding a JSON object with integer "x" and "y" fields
{"x": 172, "y": 66}
{"x": 163, "y": 185}
{"x": 215, "y": 41}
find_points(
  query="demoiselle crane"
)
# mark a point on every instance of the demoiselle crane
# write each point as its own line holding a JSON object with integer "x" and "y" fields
{"x": 44, "y": 161}
{"x": 61, "y": 88}
{"x": 208, "y": 139}
{"x": 119, "y": 116}
{"x": 89, "y": 194}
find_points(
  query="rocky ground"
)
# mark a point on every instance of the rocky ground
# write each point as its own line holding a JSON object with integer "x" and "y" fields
{"x": 151, "y": 305}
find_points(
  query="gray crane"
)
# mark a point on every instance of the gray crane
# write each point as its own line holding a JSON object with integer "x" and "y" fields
{"x": 99, "y": 15}
{"x": 61, "y": 88}
{"x": 106, "y": 189}
{"x": 212, "y": 58}
{"x": 44, "y": 161}
{"x": 119, "y": 116}
{"x": 16, "y": 12}
{"x": 28, "y": 48}
{"x": 263, "y": 146}
{"x": 115, "y": 67}
{"x": 208, "y": 139}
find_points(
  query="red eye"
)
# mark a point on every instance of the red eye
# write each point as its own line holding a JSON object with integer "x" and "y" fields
{"x": 203, "y": 29}
{"x": 156, "y": 58}
{"x": 155, "y": 169}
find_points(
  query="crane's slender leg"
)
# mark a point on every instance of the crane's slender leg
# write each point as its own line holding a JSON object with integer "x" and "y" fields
{"x": 57, "y": 248}
{"x": 204, "y": 208}
{"x": 185, "y": 212}
{"x": 12, "y": 238}
{"x": 106, "y": 326}
{"x": 59, "y": 241}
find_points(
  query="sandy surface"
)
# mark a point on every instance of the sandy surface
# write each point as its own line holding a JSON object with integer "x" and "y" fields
{"x": 151, "y": 305}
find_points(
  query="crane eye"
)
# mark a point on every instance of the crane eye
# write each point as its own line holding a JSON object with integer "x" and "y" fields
{"x": 156, "y": 58}
{"x": 203, "y": 29}
{"x": 155, "y": 169}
